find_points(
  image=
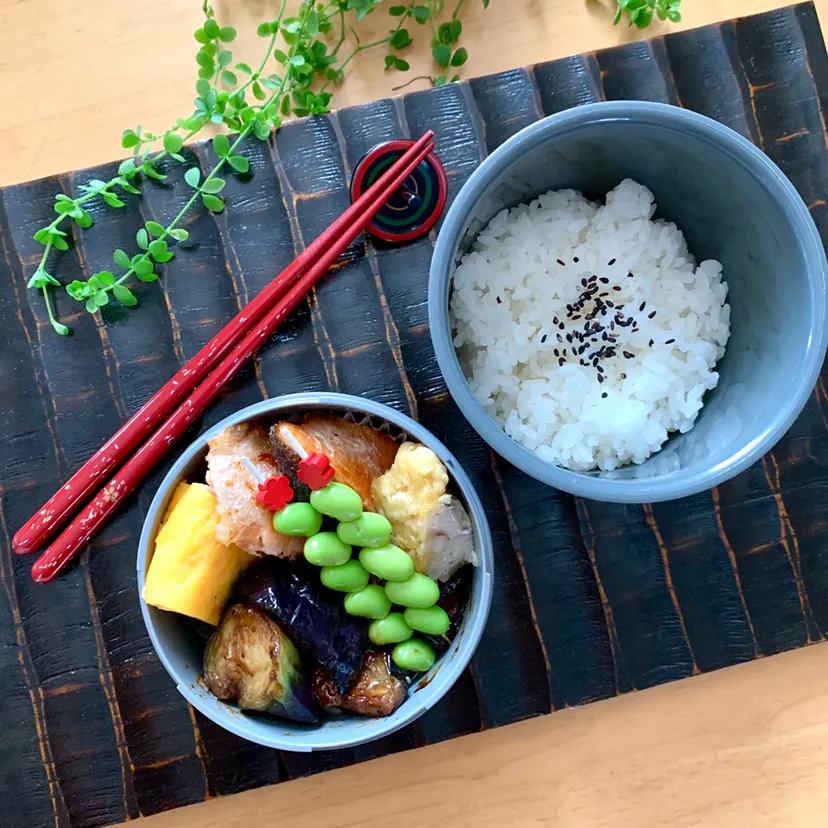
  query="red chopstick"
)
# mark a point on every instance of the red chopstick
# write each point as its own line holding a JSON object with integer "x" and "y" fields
{"x": 57, "y": 510}
{"x": 52, "y": 562}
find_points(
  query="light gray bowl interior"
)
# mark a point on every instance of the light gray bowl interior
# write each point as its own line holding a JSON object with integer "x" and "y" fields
{"x": 733, "y": 205}
{"x": 181, "y": 649}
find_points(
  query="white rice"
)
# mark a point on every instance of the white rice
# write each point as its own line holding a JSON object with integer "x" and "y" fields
{"x": 510, "y": 288}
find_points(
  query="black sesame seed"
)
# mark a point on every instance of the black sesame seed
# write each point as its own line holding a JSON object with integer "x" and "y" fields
{"x": 555, "y": 320}
{"x": 600, "y": 378}
{"x": 575, "y": 259}
{"x": 593, "y": 278}
{"x": 623, "y": 376}
{"x": 610, "y": 304}
{"x": 604, "y": 395}
{"x": 599, "y": 369}
{"x": 616, "y": 287}
{"x": 561, "y": 362}
{"x": 543, "y": 339}
{"x": 635, "y": 330}
{"x": 561, "y": 262}
{"x": 499, "y": 301}
{"x": 556, "y": 352}
{"x": 605, "y": 336}
{"x": 611, "y": 262}
{"x": 561, "y": 326}
{"x": 651, "y": 315}
{"x": 669, "y": 341}
{"x": 628, "y": 355}
{"x": 604, "y": 280}
{"x": 583, "y": 282}
{"x": 560, "y": 338}
{"x": 651, "y": 343}
{"x": 629, "y": 276}
{"x": 568, "y": 338}
{"x": 642, "y": 306}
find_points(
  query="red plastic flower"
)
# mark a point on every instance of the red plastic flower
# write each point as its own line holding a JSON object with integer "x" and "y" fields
{"x": 275, "y": 493}
{"x": 315, "y": 471}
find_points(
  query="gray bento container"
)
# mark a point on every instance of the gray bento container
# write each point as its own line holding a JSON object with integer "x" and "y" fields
{"x": 733, "y": 204}
{"x": 181, "y": 651}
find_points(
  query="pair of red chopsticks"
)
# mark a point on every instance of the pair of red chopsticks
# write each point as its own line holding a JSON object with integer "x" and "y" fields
{"x": 213, "y": 366}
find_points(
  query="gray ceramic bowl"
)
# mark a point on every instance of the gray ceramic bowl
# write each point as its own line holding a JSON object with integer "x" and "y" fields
{"x": 733, "y": 204}
{"x": 181, "y": 650}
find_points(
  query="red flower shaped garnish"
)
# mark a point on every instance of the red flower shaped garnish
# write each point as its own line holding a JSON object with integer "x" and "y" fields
{"x": 275, "y": 493}
{"x": 315, "y": 471}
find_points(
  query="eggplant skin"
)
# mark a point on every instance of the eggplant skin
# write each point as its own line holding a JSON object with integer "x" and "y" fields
{"x": 249, "y": 659}
{"x": 375, "y": 693}
{"x": 312, "y": 615}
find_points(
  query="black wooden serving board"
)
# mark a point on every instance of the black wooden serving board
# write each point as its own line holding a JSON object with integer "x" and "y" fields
{"x": 591, "y": 600}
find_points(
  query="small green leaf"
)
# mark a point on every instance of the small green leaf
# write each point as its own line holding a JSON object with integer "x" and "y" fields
{"x": 402, "y": 65}
{"x": 280, "y": 56}
{"x": 179, "y": 234}
{"x": 229, "y": 78}
{"x": 127, "y": 167}
{"x": 106, "y": 278}
{"x": 206, "y": 72}
{"x": 311, "y": 24}
{"x": 213, "y": 185}
{"x": 129, "y": 139}
{"x": 142, "y": 239}
{"x": 263, "y": 30}
{"x": 153, "y": 173}
{"x": 154, "y": 228}
{"x": 459, "y": 57}
{"x": 422, "y": 14}
{"x": 164, "y": 257}
{"x": 258, "y": 93}
{"x": 224, "y": 58}
{"x": 285, "y": 105}
{"x": 261, "y": 130}
{"x": 390, "y": 60}
{"x": 205, "y": 61}
{"x": 455, "y": 29}
{"x": 121, "y": 259}
{"x": 193, "y": 176}
{"x": 297, "y": 60}
{"x": 213, "y": 203}
{"x": 173, "y": 142}
{"x": 178, "y": 157}
{"x": 400, "y": 39}
{"x": 112, "y": 200}
{"x": 59, "y": 243}
{"x": 91, "y": 305}
{"x": 243, "y": 67}
{"x": 59, "y": 327}
{"x": 239, "y": 163}
{"x": 84, "y": 219}
{"x": 147, "y": 277}
{"x": 201, "y": 36}
{"x": 221, "y": 145}
{"x": 124, "y": 295}
{"x": 444, "y": 33}
{"x": 212, "y": 29}
{"x": 227, "y": 34}
{"x": 158, "y": 247}
{"x": 441, "y": 54}
{"x": 142, "y": 265}
{"x": 397, "y": 11}
{"x": 41, "y": 235}
{"x": 101, "y": 298}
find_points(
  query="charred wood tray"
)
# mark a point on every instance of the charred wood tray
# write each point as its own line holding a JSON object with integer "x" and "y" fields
{"x": 591, "y": 600}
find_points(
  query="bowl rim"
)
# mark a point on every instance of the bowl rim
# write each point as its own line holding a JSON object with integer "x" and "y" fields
{"x": 674, "y": 119}
{"x": 467, "y": 640}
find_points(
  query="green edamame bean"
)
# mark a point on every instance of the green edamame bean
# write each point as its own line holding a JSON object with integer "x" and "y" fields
{"x": 388, "y": 562}
{"x": 297, "y": 519}
{"x": 368, "y": 602}
{"x": 416, "y": 591}
{"x": 347, "y": 577}
{"x": 389, "y": 630}
{"x": 369, "y": 529}
{"x": 431, "y": 621}
{"x": 414, "y": 655}
{"x": 326, "y": 549}
{"x": 337, "y": 501}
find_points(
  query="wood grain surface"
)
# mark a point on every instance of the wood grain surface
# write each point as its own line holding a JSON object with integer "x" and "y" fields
{"x": 592, "y": 600}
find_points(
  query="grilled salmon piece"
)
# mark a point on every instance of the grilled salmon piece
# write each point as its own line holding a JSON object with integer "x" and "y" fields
{"x": 358, "y": 453}
{"x": 242, "y": 520}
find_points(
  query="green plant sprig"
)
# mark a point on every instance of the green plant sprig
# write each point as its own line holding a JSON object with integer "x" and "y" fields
{"x": 306, "y": 69}
{"x": 640, "y": 12}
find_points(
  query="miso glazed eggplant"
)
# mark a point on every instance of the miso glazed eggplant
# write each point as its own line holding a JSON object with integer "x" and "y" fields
{"x": 336, "y": 557}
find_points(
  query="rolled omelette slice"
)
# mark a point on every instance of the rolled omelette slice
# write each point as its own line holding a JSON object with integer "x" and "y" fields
{"x": 191, "y": 572}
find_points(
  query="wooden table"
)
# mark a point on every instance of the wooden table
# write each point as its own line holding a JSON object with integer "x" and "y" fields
{"x": 747, "y": 746}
